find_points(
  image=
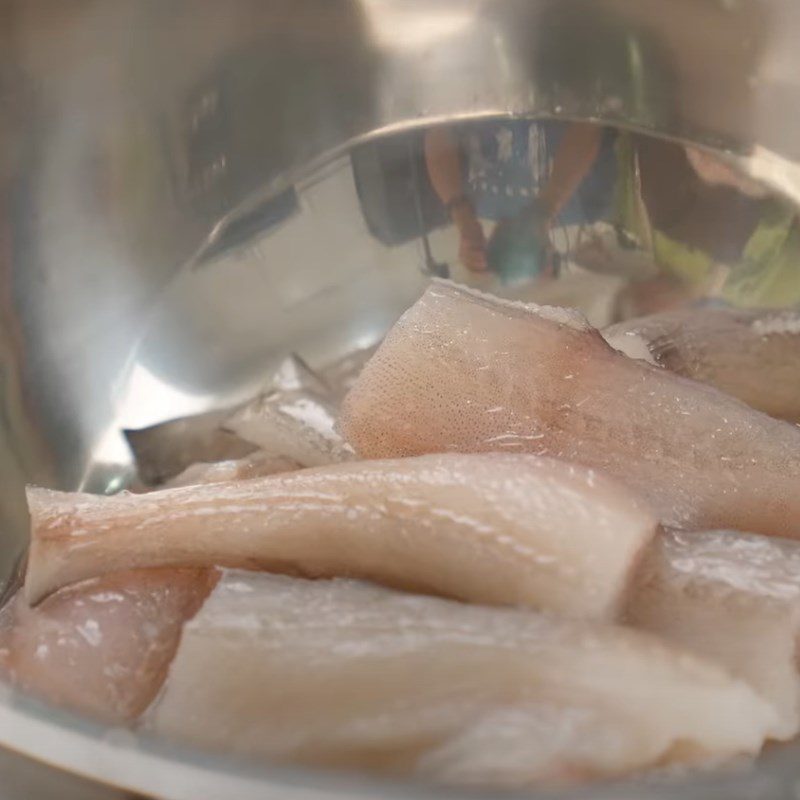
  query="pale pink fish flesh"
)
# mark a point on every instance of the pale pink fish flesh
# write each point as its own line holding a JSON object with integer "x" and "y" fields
{"x": 101, "y": 647}
{"x": 731, "y": 597}
{"x": 465, "y": 372}
{"x": 752, "y": 355}
{"x": 345, "y": 674}
{"x": 494, "y": 528}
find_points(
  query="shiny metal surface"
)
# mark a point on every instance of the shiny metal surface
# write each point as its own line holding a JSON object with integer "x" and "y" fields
{"x": 190, "y": 190}
{"x": 24, "y": 779}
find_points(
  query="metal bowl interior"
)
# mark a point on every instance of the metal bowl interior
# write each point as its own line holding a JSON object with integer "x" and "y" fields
{"x": 191, "y": 194}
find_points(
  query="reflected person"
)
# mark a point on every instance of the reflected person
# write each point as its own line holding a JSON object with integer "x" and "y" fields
{"x": 711, "y": 232}
{"x": 522, "y": 176}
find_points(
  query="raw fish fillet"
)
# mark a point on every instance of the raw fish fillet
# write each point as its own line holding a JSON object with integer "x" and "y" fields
{"x": 254, "y": 466}
{"x": 340, "y": 673}
{"x": 752, "y": 355}
{"x": 102, "y": 647}
{"x": 553, "y": 743}
{"x": 295, "y": 419}
{"x": 494, "y": 528}
{"x": 465, "y": 372}
{"x": 163, "y": 451}
{"x": 556, "y": 745}
{"x": 731, "y": 597}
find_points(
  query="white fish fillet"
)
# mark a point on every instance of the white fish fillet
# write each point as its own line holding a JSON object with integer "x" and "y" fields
{"x": 553, "y": 743}
{"x": 495, "y": 528}
{"x": 752, "y": 355}
{"x": 102, "y": 647}
{"x": 731, "y": 597}
{"x": 340, "y": 673}
{"x": 466, "y": 372}
{"x": 295, "y": 419}
{"x": 256, "y": 465}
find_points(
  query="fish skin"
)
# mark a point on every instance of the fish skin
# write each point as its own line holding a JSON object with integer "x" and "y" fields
{"x": 753, "y": 355}
{"x": 465, "y": 372}
{"x": 339, "y": 673}
{"x": 494, "y": 528}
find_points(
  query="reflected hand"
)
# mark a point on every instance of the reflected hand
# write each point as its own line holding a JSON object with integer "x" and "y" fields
{"x": 472, "y": 242}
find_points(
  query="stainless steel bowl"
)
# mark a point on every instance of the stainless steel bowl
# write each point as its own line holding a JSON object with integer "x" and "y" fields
{"x": 192, "y": 189}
